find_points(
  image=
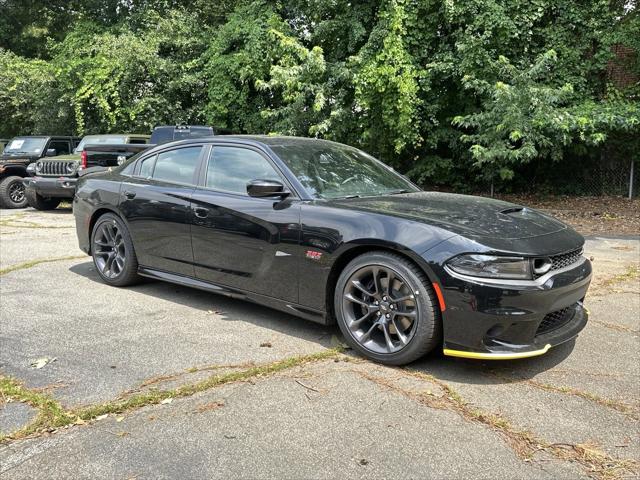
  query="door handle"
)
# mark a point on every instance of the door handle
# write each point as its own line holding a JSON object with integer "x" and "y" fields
{"x": 130, "y": 195}
{"x": 201, "y": 212}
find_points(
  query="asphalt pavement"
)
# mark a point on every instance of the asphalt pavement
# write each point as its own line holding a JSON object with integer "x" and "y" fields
{"x": 161, "y": 381}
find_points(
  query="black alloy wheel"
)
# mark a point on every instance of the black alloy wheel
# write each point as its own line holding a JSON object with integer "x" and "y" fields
{"x": 12, "y": 193}
{"x": 113, "y": 252}
{"x": 386, "y": 309}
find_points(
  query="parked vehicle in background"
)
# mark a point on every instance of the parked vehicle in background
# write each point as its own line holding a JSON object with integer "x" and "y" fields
{"x": 54, "y": 179}
{"x": 18, "y": 154}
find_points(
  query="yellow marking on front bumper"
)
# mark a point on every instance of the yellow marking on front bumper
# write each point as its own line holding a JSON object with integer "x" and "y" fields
{"x": 496, "y": 356}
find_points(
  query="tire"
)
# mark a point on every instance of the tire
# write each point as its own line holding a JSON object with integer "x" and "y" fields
{"x": 112, "y": 250}
{"x": 12, "y": 193}
{"x": 39, "y": 202}
{"x": 370, "y": 316}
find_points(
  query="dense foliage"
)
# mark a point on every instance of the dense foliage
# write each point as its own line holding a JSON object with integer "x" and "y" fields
{"x": 453, "y": 93}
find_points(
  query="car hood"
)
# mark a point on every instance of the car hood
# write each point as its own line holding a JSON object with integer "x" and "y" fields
{"x": 470, "y": 216}
{"x": 8, "y": 158}
{"x": 66, "y": 158}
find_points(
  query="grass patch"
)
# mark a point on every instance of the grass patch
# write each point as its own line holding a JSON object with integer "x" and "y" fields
{"x": 51, "y": 414}
{"x": 33, "y": 263}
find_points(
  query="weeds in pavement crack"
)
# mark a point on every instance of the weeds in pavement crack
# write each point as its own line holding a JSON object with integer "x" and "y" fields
{"x": 624, "y": 408}
{"x": 52, "y": 416}
{"x": 50, "y": 413}
{"x": 524, "y": 443}
{"x": 33, "y": 263}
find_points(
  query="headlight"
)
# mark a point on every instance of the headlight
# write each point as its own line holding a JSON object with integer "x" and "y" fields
{"x": 31, "y": 168}
{"x": 38, "y": 166}
{"x": 72, "y": 167}
{"x": 492, "y": 266}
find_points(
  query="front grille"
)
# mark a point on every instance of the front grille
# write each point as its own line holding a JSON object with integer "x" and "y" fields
{"x": 554, "y": 320}
{"x": 52, "y": 168}
{"x": 565, "y": 259}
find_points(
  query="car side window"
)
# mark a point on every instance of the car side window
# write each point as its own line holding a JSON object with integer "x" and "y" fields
{"x": 146, "y": 166}
{"x": 137, "y": 141}
{"x": 62, "y": 147}
{"x": 179, "y": 165}
{"x": 231, "y": 168}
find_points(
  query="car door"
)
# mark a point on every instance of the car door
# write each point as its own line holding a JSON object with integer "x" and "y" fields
{"x": 240, "y": 241}
{"x": 156, "y": 202}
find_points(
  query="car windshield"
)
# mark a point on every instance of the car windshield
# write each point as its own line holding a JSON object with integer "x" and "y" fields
{"x": 32, "y": 145}
{"x": 100, "y": 140}
{"x": 330, "y": 170}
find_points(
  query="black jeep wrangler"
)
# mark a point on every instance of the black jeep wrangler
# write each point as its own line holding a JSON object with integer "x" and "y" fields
{"x": 18, "y": 154}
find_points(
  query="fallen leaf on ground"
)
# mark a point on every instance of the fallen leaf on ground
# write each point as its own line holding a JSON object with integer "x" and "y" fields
{"x": 102, "y": 417}
{"x": 266, "y": 344}
{"x": 166, "y": 400}
{"x": 119, "y": 419}
{"x": 41, "y": 362}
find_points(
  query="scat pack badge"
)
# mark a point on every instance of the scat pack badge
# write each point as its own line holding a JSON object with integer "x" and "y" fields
{"x": 313, "y": 255}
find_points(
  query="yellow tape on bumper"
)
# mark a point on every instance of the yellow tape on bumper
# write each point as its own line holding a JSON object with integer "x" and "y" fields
{"x": 496, "y": 356}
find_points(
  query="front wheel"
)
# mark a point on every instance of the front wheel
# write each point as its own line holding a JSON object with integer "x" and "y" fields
{"x": 386, "y": 308}
{"x": 113, "y": 254}
{"x": 12, "y": 193}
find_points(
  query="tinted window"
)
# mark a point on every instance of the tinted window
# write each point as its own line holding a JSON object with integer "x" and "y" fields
{"x": 178, "y": 165}
{"x": 62, "y": 147}
{"x": 138, "y": 140}
{"x": 146, "y": 167}
{"x": 332, "y": 170}
{"x": 231, "y": 168}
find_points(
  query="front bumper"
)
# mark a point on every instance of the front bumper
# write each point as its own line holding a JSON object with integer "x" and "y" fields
{"x": 491, "y": 319}
{"x": 57, "y": 187}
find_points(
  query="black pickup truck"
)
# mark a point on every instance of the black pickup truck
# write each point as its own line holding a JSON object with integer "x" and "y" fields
{"x": 18, "y": 155}
{"x": 55, "y": 179}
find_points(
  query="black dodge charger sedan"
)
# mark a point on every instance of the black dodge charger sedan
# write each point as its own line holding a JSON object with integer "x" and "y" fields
{"x": 328, "y": 233}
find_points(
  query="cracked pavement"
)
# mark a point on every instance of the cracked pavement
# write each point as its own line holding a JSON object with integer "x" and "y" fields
{"x": 573, "y": 413}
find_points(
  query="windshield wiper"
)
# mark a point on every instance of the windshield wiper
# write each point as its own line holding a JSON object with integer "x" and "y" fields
{"x": 351, "y": 196}
{"x": 397, "y": 192}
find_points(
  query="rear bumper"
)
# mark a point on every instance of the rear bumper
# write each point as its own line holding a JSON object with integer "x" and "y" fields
{"x": 58, "y": 187}
{"x": 507, "y": 320}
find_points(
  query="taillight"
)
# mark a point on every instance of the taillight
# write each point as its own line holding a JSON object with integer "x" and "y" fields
{"x": 83, "y": 159}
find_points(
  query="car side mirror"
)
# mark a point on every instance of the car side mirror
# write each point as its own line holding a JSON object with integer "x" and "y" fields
{"x": 51, "y": 152}
{"x": 266, "y": 188}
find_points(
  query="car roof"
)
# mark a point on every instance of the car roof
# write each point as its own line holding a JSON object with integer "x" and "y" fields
{"x": 117, "y": 135}
{"x": 46, "y": 136}
{"x": 270, "y": 140}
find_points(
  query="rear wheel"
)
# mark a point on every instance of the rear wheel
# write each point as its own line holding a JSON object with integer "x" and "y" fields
{"x": 12, "y": 193}
{"x": 113, "y": 253}
{"x": 386, "y": 308}
{"x": 39, "y": 202}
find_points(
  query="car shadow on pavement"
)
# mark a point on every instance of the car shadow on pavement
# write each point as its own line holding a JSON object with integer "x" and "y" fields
{"x": 435, "y": 364}
{"x": 229, "y": 309}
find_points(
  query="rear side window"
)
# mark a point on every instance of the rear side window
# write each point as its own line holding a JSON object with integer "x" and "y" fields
{"x": 179, "y": 165}
{"x": 138, "y": 140}
{"x": 231, "y": 168}
{"x": 146, "y": 167}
